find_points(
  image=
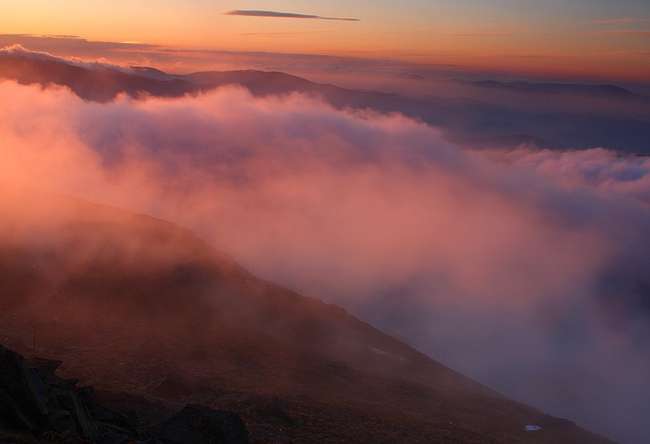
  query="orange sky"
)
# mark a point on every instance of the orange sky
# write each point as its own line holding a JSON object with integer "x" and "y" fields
{"x": 584, "y": 37}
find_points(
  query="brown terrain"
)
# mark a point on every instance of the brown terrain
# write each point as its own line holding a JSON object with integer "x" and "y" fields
{"x": 154, "y": 319}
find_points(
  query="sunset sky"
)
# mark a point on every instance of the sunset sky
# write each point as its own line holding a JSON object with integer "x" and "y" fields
{"x": 574, "y": 36}
{"x": 169, "y": 167}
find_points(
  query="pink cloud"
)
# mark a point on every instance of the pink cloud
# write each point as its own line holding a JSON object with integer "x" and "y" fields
{"x": 621, "y": 21}
{"x": 377, "y": 212}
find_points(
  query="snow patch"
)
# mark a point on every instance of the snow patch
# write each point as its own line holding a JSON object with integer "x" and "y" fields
{"x": 532, "y": 428}
{"x": 378, "y": 351}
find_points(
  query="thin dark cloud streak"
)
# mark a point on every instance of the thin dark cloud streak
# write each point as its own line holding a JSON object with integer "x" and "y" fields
{"x": 278, "y": 34}
{"x": 626, "y": 32}
{"x": 292, "y": 15}
{"x": 620, "y": 21}
{"x": 483, "y": 34}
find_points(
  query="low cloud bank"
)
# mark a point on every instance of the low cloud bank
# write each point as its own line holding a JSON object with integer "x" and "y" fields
{"x": 502, "y": 264}
{"x": 17, "y": 50}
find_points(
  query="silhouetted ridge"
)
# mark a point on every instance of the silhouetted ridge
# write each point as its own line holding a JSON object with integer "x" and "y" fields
{"x": 560, "y": 88}
{"x": 469, "y": 121}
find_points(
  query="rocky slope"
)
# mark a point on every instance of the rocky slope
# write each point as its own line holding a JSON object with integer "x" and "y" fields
{"x": 136, "y": 305}
{"x": 37, "y": 406}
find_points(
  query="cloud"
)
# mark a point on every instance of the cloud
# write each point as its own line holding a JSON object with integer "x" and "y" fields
{"x": 72, "y": 45}
{"x": 278, "y": 34}
{"x": 484, "y": 34}
{"x": 628, "y": 32}
{"x": 275, "y": 14}
{"x": 383, "y": 215}
{"x": 621, "y": 21}
{"x": 17, "y": 50}
{"x": 596, "y": 169}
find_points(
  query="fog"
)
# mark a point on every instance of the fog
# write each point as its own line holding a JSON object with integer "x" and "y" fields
{"x": 524, "y": 268}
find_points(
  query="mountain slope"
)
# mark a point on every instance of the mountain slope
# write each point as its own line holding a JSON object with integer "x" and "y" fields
{"x": 602, "y": 90}
{"x": 137, "y": 305}
{"x": 611, "y": 117}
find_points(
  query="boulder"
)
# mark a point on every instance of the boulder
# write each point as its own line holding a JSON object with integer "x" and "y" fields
{"x": 200, "y": 425}
{"x": 38, "y": 406}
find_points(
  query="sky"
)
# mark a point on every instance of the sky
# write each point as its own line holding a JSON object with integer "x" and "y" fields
{"x": 571, "y": 36}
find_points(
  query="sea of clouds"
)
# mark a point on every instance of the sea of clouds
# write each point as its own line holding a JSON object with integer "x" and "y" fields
{"x": 526, "y": 269}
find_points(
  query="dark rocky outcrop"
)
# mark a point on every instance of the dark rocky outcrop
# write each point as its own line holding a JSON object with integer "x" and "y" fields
{"x": 197, "y": 425}
{"x": 38, "y": 406}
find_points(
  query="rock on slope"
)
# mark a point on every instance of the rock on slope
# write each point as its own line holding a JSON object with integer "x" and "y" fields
{"x": 38, "y": 406}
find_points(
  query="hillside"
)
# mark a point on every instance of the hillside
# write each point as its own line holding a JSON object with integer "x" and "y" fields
{"x": 136, "y": 305}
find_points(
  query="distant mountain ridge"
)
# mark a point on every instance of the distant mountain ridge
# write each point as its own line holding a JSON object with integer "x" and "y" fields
{"x": 104, "y": 82}
{"x": 473, "y": 122}
{"x": 597, "y": 90}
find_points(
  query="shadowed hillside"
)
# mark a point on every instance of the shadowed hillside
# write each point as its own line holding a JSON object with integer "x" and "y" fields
{"x": 136, "y": 305}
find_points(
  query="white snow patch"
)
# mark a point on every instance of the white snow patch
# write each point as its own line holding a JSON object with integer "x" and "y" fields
{"x": 380, "y": 352}
{"x": 532, "y": 428}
